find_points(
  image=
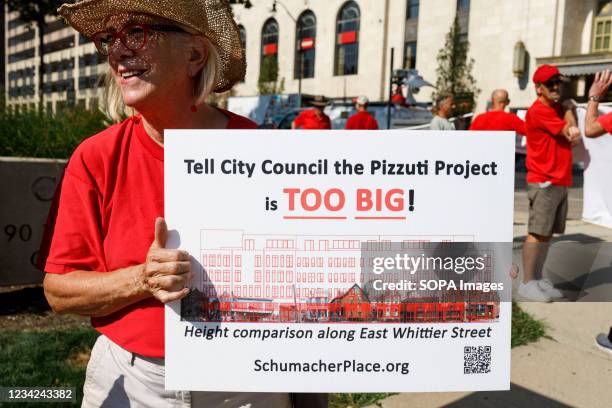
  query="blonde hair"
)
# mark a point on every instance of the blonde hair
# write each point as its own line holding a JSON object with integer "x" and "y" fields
{"x": 114, "y": 108}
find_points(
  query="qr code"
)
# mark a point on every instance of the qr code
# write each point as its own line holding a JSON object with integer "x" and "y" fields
{"x": 476, "y": 359}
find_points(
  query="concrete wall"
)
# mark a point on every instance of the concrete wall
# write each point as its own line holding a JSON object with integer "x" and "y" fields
{"x": 27, "y": 187}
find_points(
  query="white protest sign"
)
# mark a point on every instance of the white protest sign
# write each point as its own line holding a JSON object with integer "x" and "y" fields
{"x": 285, "y": 299}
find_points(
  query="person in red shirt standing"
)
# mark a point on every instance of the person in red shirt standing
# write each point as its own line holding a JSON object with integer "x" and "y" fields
{"x": 551, "y": 134}
{"x": 314, "y": 118}
{"x": 497, "y": 118}
{"x": 104, "y": 246}
{"x": 596, "y": 125}
{"x": 362, "y": 120}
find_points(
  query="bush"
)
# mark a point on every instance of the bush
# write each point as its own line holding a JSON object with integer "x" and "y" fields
{"x": 37, "y": 134}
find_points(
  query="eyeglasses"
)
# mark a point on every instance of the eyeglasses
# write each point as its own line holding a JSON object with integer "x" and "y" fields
{"x": 133, "y": 36}
{"x": 553, "y": 83}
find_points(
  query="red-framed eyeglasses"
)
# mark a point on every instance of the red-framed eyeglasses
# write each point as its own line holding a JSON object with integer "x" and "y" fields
{"x": 133, "y": 36}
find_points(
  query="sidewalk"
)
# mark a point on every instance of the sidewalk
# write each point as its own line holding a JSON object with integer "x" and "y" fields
{"x": 565, "y": 370}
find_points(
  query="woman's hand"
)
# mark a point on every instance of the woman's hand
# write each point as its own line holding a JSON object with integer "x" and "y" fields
{"x": 166, "y": 272}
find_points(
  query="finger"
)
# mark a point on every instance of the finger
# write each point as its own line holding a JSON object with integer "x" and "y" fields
{"x": 167, "y": 255}
{"x": 597, "y": 76}
{"x": 169, "y": 282}
{"x": 161, "y": 233}
{"x": 169, "y": 268}
{"x": 166, "y": 297}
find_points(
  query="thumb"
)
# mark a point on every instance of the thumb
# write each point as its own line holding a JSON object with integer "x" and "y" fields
{"x": 161, "y": 233}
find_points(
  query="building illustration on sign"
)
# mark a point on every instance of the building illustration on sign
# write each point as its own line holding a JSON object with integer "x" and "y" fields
{"x": 315, "y": 278}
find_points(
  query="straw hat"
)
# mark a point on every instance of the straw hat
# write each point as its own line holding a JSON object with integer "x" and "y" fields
{"x": 213, "y": 18}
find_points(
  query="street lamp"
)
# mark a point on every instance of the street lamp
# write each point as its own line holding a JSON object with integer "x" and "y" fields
{"x": 299, "y": 45}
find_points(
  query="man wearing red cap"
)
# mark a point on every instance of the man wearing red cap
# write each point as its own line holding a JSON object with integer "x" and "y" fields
{"x": 551, "y": 134}
{"x": 596, "y": 125}
{"x": 497, "y": 118}
{"x": 362, "y": 120}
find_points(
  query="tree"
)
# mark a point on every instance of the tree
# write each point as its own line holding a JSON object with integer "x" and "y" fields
{"x": 454, "y": 71}
{"x": 34, "y": 12}
{"x": 268, "y": 77}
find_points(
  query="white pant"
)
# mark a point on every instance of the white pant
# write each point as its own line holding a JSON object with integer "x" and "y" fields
{"x": 117, "y": 378}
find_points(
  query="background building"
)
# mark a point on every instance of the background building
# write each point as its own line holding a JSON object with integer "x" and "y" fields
{"x": 343, "y": 47}
{"x": 72, "y": 65}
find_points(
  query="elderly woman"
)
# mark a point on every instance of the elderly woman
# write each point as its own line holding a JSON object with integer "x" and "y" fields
{"x": 105, "y": 254}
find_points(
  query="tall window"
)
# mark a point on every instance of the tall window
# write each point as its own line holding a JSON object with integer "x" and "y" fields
{"x": 413, "y": 10}
{"x": 268, "y": 69}
{"x": 412, "y": 29}
{"x": 410, "y": 48}
{"x": 602, "y": 27}
{"x": 305, "y": 46}
{"x": 463, "y": 15}
{"x": 347, "y": 40}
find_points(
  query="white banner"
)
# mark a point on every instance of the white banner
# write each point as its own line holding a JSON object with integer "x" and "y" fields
{"x": 597, "y": 201}
{"x": 277, "y": 223}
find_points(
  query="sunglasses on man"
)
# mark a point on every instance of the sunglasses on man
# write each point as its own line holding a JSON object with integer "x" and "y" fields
{"x": 552, "y": 83}
{"x": 133, "y": 36}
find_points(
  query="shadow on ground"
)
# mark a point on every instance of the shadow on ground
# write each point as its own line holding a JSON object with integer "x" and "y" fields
{"x": 516, "y": 397}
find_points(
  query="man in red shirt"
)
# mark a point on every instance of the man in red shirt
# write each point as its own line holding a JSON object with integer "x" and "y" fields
{"x": 497, "y": 118}
{"x": 551, "y": 134}
{"x": 598, "y": 125}
{"x": 314, "y": 118}
{"x": 362, "y": 120}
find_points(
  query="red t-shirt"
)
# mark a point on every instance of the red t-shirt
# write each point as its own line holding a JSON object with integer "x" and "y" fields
{"x": 499, "y": 120}
{"x": 310, "y": 119}
{"x": 606, "y": 122}
{"x": 362, "y": 120}
{"x": 103, "y": 219}
{"x": 549, "y": 154}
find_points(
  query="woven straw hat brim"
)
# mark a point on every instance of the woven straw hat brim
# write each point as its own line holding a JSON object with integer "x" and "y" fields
{"x": 213, "y": 18}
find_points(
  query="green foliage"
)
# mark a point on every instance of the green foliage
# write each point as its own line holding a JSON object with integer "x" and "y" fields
{"x": 45, "y": 359}
{"x": 454, "y": 71}
{"x": 525, "y": 329}
{"x": 355, "y": 400}
{"x": 268, "y": 77}
{"x": 37, "y": 134}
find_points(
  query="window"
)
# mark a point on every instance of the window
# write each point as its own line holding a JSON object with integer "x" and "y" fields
{"x": 463, "y": 5}
{"x": 602, "y": 28}
{"x": 413, "y": 10}
{"x": 305, "y": 45}
{"x": 463, "y": 17}
{"x": 347, "y": 40}
{"x": 410, "y": 55}
{"x": 412, "y": 30}
{"x": 268, "y": 69}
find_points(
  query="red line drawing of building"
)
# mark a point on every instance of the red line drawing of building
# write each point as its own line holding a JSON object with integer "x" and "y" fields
{"x": 281, "y": 278}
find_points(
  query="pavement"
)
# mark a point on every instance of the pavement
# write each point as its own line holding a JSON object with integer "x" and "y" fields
{"x": 566, "y": 368}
